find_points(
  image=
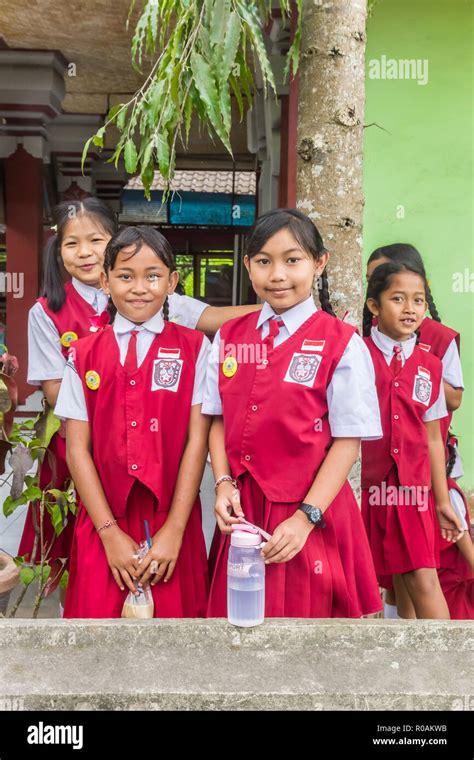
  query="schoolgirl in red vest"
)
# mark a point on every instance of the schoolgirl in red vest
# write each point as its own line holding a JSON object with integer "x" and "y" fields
{"x": 444, "y": 342}
{"x": 137, "y": 442}
{"x": 405, "y": 500}
{"x": 64, "y": 313}
{"x": 292, "y": 393}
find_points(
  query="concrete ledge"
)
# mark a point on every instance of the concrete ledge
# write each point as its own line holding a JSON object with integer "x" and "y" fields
{"x": 211, "y": 665}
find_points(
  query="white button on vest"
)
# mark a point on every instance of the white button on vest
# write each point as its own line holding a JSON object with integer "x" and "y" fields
{"x": 396, "y": 385}
{"x": 247, "y": 458}
{"x": 133, "y": 424}
{"x": 265, "y": 361}
{"x": 132, "y": 382}
{"x": 395, "y": 451}
{"x": 395, "y": 417}
{"x": 254, "y": 408}
{"x": 134, "y": 467}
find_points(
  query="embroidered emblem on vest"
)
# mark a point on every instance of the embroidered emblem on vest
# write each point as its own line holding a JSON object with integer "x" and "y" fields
{"x": 302, "y": 369}
{"x": 92, "y": 380}
{"x": 313, "y": 345}
{"x": 67, "y": 338}
{"x": 229, "y": 366}
{"x": 167, "y": 370}
{"x": 422, "y": 386}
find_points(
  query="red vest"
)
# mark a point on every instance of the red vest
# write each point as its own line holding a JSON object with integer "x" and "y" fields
{"x": 403, "y": 401}
{"x": 139, "y": 421}
{"x": 438, "y": 337}
{"x": 74, "y": 316}
{"x": 276, "y": 413}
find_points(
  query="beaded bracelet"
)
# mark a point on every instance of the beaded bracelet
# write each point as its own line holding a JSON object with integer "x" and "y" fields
{"x": 108, "y": 524}
{"x": 223, "y": 479}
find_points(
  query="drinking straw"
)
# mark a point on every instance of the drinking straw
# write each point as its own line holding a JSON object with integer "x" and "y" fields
{"x": 147, "y": 531}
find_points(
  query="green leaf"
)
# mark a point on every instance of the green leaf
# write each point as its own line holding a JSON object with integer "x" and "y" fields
{"x": 27, "y": 575}
{"x": 188, "y": 114}
{"x": 84, "y": 153}
{"x": 121, "y": 118}
{"x": 98, "y": 138}
{"x": 219, "y": 20}
{"x": 232, "y": 40}
{"x": 226, "y": 111}
{"x": 206, "y": 87}
{"x": 56, "y": 518}
{"x": 238, "y": 95}
{"x": 10, "y": 504}
{"x": 131, "y": 157}
{"x": 113, "y": 112}
{"x": 46, "y": 573}
{"x": 163, "y": 154}
{"x": 46, "y": 425}
{"x": 64, "y": 580}
{"x": 33, "y": 492}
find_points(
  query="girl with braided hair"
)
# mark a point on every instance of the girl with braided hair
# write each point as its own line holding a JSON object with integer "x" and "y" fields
{"x": 291, "y": 391}
{"x": 137, "y": 441}
{"x": 405, "y": 500}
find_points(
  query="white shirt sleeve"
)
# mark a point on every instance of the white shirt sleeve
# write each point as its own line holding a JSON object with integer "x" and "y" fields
{"x": 71, "y": 403}
{"x": 185, "y": 310}
{"x": 352, "y": 395}
{"x": 439, "y": 409}
{"x": 452, "y": 372}
{"x": 212, "y": 401}
{"x": 45, "y": 358}
{"x": 200, "y": 376}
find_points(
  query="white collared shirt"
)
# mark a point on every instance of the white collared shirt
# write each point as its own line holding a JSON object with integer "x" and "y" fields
{"x": 71, "y": 403}
{"x": 45, "y": 357}
{"x": 386, "y": 344}
{"x": 351, "y": 394}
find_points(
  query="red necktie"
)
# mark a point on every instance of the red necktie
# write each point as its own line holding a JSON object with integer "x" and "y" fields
{"x": 131, "y": 358}
{"x": 274, "y": 328}
{"x": 397, "y": 359}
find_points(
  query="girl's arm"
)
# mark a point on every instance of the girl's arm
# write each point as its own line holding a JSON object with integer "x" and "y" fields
{"x": 212, "y": 318}
{"x": 51, "y": 391}
{"x": 227, "y": 498}
{"x": 119, "y": 547}
{"x": 291, "y": 535}
{"x": 466, "y": 547}
{"x": 448, "y": 520}
{"x": 453, "y": 396}
{"x": 167, "y": 541}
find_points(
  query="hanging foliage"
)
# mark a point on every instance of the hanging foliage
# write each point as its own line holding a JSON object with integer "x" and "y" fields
{"x": 207, "y": 50}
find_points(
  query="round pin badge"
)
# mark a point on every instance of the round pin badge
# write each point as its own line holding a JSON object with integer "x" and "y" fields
{"x": 92, "y": 380}
{"x": 67, "y": 338}
{"x": 229, "y": 366}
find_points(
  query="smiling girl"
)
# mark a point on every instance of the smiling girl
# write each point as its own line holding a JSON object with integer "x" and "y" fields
{"x": 137, "y": 442}
{"x": 292, "y": 393}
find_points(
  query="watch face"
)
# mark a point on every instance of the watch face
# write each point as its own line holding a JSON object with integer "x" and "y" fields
{"x": 315, "y": 515}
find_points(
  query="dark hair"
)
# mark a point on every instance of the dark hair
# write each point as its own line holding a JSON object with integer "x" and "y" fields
{"x": 451, "y": 453}
{"x": 404, "y": 253}
{"x": 137, "y": 236}
{"x": 53, "y": 282}
{"x": 302, "y": 229}
{"x": 379, "y": 281}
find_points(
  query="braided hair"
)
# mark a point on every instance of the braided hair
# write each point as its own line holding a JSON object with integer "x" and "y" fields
{"x": 137, "y": 236}
{"x": 451, "y": 454}
{"x": 404, "y": 253}
{"x": 305, "y": 233}
{"x": 379, "y": 281}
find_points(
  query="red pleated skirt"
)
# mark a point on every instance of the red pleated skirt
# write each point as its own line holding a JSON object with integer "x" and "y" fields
{"x": 332, "y": 576}
{"x": 402, "y": 537}
{"x": 61, "y": 546}
{"x": 455, "y": 575}
{"x": 92, "y": 591}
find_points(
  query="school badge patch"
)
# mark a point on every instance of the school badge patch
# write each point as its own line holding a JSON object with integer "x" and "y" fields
{"x": 422, "y": 386}
{"x": 229, "y": 366}
{"x": 67, "y": 338}
{"x": 303, "y": 369}
{"x": 167, "y": 370}
{"x": 92, "y": 379}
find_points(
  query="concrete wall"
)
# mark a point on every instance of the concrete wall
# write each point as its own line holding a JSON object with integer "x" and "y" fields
{"x": 418, "y": 175}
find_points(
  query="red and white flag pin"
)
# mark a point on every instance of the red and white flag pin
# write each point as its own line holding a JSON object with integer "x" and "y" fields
{"x": 424, "y": 372}
{"x": 169, "y": 353}
{"x": 313, "y": 345}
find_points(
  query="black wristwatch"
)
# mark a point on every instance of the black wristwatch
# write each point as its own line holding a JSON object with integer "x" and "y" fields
{"x": 313, "y": 514}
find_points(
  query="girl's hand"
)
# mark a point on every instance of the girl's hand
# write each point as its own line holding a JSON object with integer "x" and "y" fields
{"x": 227, "y": 502}
{"x": 120, "y": 548}
{"x": 288, "y": 539}
{"x": 164, "y": 552}
{"x": 451, "y": 529}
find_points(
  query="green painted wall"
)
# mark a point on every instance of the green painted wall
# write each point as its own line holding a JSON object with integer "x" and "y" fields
{"x": 424, "y": 161}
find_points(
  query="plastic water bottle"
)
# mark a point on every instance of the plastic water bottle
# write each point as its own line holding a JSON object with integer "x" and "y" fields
{"x": 245, "y": 579}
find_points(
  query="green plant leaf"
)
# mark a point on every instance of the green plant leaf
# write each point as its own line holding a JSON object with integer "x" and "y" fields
{"x": 232, "y": 40}
{"x": 98, "y": 138}
{"x": 9, "y": 505}
{"x": 32, "y": 493}
{"x": 27, "y": 575}
{"x": 64, "y": 580}
{"x": 46, "y": 425}
{"x": 84, "y": 153}
{"x": 131, "y": 157}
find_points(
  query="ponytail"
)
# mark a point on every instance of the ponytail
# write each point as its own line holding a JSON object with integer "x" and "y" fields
{"x": 367, "y": 318}
{"x": 323, "y": 293}
{"x": 53, "y": 283}
{"x": 431, "y": 305}
{"x": 166, "y": 310}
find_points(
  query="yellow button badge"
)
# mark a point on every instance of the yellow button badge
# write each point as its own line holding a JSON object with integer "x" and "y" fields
{"x": 67, "y": 338}
{"x": 92, "y": 380}
{"x": 229, "y": 366}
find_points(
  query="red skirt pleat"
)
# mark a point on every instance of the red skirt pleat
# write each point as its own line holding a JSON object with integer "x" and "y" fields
{"x": 402, "y": 537}
{"x": 92, "y": 591}
{"x": 332, "y": 576}
{"x": 61, "y": 546}
{"x": 455, "y": 575}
